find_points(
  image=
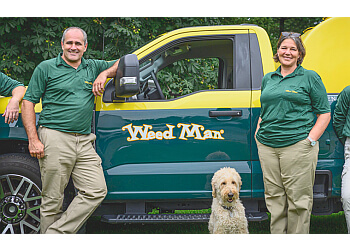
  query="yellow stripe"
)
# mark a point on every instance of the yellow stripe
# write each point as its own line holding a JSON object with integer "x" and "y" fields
{"x": 197, "y": 100}
{"x": 5, "y": 100}
{"x": 256, "y": 99}
{"x": 203, "y": 99}
{"x": 3, "y": 103}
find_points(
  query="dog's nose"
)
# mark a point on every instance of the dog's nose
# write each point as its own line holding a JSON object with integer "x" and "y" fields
{"x": 230, "y": 195}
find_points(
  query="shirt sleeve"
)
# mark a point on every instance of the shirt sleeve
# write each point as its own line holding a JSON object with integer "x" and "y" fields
{"x": 37, "y": 85}
{"x": 318, "y": 95}
{"x": 102, "y": 65}
{"x": 340, "y": 113}
{"x": 7, "y": 85}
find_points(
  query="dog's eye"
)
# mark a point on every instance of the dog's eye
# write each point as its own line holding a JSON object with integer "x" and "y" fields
{"x": 233, "y": 183}
{"x": 224, "y": 183}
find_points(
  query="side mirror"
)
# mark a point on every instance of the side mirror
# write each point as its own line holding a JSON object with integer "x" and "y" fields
{"x": 127, "y": 80}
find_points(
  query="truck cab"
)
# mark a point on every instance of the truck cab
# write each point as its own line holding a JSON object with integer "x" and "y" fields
{"x": 161, "y": 146}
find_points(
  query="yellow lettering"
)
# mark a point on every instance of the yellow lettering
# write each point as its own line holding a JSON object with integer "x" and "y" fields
{"x": 187, "y": 130}
{"x": 190, "y": 133}
{"x": 208, "y": 134}
{"x": 131, "y": 132}
{"x": 168, "y": 134}
{"x": 144, "y": 132}
{"x": 217, "y": 134}
{"x": 137, "y": 129}
{"x": 151, "y": 135}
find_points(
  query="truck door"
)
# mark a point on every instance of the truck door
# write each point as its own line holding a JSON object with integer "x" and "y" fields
{"x": 186, "y": 122}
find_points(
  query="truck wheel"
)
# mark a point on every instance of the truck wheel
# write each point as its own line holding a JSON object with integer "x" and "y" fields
{"x": 20, "y": 194}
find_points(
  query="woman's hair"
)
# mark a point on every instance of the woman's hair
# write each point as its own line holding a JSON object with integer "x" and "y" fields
{"x": 298, "y": 42}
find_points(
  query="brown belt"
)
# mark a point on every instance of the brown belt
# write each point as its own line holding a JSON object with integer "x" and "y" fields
{"x": 75, "y": 134}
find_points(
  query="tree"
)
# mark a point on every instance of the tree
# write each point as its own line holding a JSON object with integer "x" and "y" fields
{"x": 26, "y": 41}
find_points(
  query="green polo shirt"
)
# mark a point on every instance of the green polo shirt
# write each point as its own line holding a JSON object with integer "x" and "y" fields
{"x": 66, "y": 93}
{"x": 7, "y": 84}
{"x": 288, "y": 105}
{"x": 341, "y": 117}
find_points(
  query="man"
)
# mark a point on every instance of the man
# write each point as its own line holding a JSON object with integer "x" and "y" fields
{"x": 341, "y": 125}
{"x": 12, "y": 87}
{"x": 63, "y": 144}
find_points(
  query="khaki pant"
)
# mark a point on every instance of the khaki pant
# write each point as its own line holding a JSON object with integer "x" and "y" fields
{"x": 289, "y": 175}
{"x": 69, "y": 155}
{"x": 345, "y": 183}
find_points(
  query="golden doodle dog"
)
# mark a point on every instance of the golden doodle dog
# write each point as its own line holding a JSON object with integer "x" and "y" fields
{"x": 227, "y": 211}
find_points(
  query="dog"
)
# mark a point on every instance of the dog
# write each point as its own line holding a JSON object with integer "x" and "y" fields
{"x": 227, "y": 211}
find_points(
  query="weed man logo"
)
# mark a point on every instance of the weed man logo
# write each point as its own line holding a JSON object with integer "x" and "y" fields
{"x": 192, "y": 130}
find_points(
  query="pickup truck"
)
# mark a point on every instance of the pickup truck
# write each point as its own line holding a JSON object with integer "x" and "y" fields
{"x": 160, "y": 144}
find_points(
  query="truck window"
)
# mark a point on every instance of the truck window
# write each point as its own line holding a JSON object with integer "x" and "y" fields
{"x": 187, "y": 66}
{"x": 189, "y": 75}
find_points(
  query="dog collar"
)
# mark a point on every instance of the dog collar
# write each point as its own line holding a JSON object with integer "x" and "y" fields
{"x": 228, "y": 208}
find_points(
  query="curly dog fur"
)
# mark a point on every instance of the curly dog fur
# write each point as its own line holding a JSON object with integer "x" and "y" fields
{"x": 227, "y": 211}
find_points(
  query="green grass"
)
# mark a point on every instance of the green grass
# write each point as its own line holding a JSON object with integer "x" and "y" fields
{"x": 328, "y": 224}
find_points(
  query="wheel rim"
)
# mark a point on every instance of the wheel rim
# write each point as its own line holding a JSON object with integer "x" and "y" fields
{"x": 20, "y": 200}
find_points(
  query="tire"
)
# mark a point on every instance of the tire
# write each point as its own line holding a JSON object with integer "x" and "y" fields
{"x": 20, "y": 194}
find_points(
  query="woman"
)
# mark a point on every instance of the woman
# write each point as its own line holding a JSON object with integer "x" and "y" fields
{"x": 287, "y": 137}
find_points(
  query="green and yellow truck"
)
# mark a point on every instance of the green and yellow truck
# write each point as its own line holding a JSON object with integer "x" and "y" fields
{"x": 160, "y": 147}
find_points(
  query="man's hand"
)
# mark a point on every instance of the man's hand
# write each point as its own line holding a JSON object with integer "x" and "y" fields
{"x": 12, "y": 111}
{"x": 36, "y": 149}
{"x": 99, "y": 83}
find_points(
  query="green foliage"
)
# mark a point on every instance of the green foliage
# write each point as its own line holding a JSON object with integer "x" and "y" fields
{"x": 26, "y": 41}
{"x": 189, "y": 75}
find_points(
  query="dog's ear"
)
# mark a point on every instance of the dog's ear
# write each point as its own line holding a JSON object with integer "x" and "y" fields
{"x": 239, "y": 179}
{"x": 214, "y": 190}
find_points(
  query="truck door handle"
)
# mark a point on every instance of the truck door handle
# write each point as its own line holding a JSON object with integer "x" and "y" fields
{"x": 225, "y": 113}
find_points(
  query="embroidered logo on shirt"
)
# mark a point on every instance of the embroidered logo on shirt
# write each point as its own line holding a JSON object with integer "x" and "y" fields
{"x": 88, "y": 82}
{"x": 291, "y": 91}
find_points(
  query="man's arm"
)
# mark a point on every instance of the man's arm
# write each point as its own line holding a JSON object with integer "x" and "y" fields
{"x": 99, "y": 83}
{"x": 36, "y": 148}
{"x": 340, "y": 113}
{"x": 12, "y": 110}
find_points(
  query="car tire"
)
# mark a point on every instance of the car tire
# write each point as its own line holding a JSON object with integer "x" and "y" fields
{"x": 20, "y": 194}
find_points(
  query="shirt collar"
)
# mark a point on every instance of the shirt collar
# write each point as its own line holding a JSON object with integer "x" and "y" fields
{"x": 60, "y": 61}
{"x": 298, "y": 71}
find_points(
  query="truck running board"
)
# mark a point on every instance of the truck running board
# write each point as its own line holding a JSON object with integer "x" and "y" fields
{"x": 256, "y": 216}
{"x": 170, "y": 218}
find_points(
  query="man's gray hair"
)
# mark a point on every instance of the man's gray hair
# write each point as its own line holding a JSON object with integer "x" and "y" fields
{"x": 84, "y": 34}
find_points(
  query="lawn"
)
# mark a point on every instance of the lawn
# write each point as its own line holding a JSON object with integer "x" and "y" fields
{"x": 328, "y": 224}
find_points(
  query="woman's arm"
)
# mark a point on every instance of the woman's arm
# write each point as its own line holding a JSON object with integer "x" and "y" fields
{"x": 257, "y": 126}
{"x": 320, "y": 126}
